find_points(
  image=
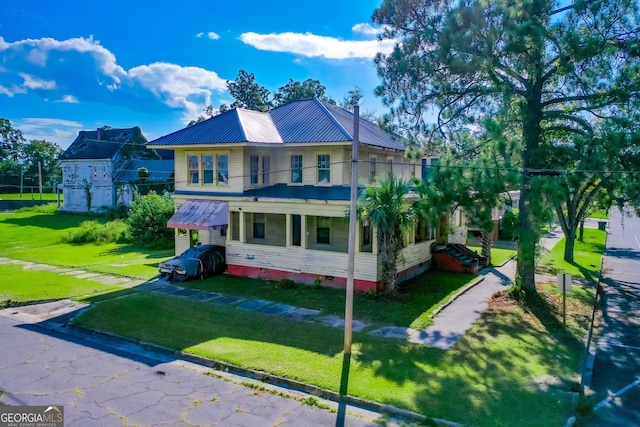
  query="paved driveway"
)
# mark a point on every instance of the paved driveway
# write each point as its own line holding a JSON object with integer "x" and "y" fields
{"x": 616, "y": 371}
{"x": 99, "y": 385}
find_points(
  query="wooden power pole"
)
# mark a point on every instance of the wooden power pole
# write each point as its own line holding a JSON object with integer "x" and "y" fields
{"x": 351, "y": 255}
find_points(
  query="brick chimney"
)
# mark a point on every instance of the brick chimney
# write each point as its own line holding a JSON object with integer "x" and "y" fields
{"x": 99, "y": 134}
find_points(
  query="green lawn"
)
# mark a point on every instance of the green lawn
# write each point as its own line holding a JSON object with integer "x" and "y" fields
{"x": 30, "y": 196}
{"x": 498, "y": 255}
{"x": 37, "y": 236}
{"x": 492, "y": 377}
{"x": 23, "y": 285}
{"x": 600, "y": 214}
{"x": 417, "y": 298}
{"x": 587, "y": 256}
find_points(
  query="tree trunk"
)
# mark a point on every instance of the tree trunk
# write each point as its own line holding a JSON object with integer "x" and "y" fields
{"x": 388, "y": 259}
{"x": 486, "y": 245}
{"x": 526, "y": 244}
{"x": 581, "y": 238}
{"x": 570, "y": 239}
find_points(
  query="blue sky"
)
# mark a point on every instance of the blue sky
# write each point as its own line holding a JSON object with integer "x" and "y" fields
{"x": 67, "y": 66}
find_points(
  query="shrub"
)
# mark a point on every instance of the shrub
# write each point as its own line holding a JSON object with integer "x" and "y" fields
{"x": 46, "y": 208}
{"x": 148, "y": 218}
{"x": 510, "y": 225}
{"x": 120, "y": 211}
{"x": 287, "y": 284}
{"x": 317, "y": 283}
{"x": 95, "y": 232}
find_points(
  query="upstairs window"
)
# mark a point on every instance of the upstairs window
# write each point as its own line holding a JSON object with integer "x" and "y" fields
{"x": 194, "y": 169}
{"x": 324, "y": 168}
{"x": 207, "y": 169}
{"x": 255, "y": 168}
{"x": 296, "y": 169}
{"x": 372, "y": 169}
{"x": 266, "y": 169}
{"x": 223, "y": 169}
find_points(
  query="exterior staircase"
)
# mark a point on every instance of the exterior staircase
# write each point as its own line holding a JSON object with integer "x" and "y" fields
{"x": 458, "y": 258}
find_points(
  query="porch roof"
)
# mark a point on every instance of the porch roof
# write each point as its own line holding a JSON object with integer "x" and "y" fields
{"x": 200, "y": 215}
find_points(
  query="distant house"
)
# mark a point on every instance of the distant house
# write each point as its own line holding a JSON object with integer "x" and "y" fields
{"x": 273, "y": 188}
{"x": 91, "y": 164}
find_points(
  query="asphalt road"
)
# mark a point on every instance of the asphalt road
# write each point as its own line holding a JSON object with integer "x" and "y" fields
{"x": 102, "y": 385}
{"x": 616, "y": 371}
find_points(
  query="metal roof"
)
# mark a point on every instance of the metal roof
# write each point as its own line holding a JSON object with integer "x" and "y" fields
{"x": 370, "y": 133}
{"x": 88, "y": 146}
{"x": 258, "y": 126}
{"x": 301, "y": 121}
{"x": 159, "y": 171}
{"x": 200, "y": 215}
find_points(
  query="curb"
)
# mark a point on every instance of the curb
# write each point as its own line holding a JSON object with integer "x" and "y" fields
{"x": 81, "y": 332}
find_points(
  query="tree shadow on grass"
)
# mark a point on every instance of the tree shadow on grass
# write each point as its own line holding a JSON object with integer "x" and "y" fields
{"x": 490, "y": 377}
{"x": 55, "y": 221}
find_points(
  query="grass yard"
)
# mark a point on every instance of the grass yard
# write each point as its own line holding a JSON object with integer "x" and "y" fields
{"x": 513, "y": 367}
{"x": 498, "y": 255}
{"x": 599, "y": 214}
{"x": 417, "y": 298}
{"x": 587, "y": 256}
{"x": 30, "y": 196}
{"x": 37, "y": 236}
{"x": 21, "y": 285}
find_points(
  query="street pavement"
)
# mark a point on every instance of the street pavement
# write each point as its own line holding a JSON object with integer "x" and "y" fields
{"x": 100, "y": 384}
{"x": 616, "y": 370}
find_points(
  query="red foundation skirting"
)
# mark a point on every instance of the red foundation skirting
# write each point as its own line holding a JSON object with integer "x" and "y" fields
{"x": 308, "y": 278}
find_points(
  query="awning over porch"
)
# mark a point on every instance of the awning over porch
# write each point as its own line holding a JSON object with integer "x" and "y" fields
{"x": 200, "y": 215}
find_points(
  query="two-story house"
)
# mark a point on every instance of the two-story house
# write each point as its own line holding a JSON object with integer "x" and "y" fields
{"x": 92, "y": 162}
{"x": 273, "y": 187}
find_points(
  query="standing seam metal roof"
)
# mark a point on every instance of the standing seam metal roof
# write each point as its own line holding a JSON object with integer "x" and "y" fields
{"x": 301, "y": 121}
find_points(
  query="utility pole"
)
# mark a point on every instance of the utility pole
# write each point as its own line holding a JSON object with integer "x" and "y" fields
{"x": 21, "y": 179}
{"x": 351, "y": 255}
{"x": 40, "y": 177}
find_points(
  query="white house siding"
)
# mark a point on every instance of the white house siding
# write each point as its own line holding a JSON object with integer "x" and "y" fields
{"x": 328, "y": 266}
{"x": 97, "y": 172}
{"x": 415, "y": 259}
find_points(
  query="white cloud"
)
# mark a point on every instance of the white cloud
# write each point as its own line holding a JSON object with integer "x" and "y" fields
{"x": 60, "y": 131}
{"x": 38, "y": 51}
{"x": 99, "y": 77}
{"x": 179, "y": 87}
{"x": 69, "y": 99}
{"x": 367, "y": 29}
{"x": 32, "y": 82}
{"x": 312, "y": 45}
{"x": 210, "y": 34}
{"x": 11, "y": 90}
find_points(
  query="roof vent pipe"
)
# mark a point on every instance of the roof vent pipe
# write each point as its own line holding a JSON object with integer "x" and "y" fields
{"x": 99, "y": 134}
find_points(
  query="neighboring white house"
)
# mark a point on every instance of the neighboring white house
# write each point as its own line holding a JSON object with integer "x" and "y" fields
{"x": 273, "y": 187}
{"x": 91, "y": 163}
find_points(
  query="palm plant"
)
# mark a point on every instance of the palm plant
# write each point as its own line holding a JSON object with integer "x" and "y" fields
{"x": 386, "y": 206}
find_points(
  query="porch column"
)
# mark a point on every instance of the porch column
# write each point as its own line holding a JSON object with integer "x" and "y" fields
{"x": 288, "y": 233}
{"x": 374, "y": 240}
{"x": 242, "y": 234}
{"x": 303, "y": 231}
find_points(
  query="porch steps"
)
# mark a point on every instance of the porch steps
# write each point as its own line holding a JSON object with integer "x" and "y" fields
{"x": 458, "y": 258}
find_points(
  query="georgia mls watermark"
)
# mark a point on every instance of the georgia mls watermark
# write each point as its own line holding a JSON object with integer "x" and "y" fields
{"x": 31, "y": 416}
